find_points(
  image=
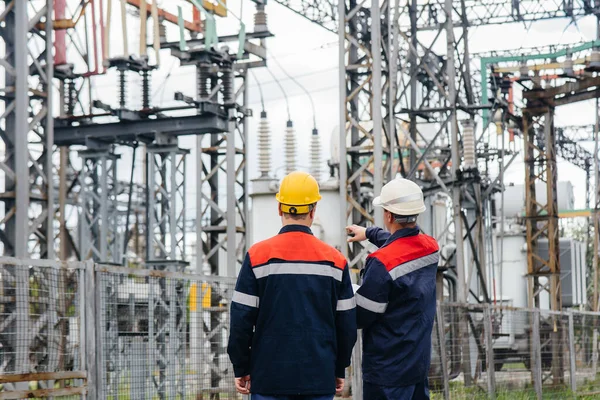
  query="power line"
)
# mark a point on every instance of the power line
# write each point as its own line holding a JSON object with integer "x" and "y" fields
{"x": 287, "y": 103}
{"x": 312, "y": 104}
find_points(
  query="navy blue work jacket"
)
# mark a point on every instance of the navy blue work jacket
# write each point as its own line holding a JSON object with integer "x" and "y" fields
{"x": 396, "y": 307}
{"x": 293, "y": 316}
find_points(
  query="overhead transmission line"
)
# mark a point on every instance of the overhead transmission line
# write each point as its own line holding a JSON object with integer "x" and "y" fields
{"x": 312, "y": 104}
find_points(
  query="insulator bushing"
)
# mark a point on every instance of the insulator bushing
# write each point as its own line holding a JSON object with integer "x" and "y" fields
{"x": 469, "y": 147}
{"x": 315, "y": 155}
{"x": 122, "y": 88}
{"x": 145, "y": 89}
{"x": 162, "y": 32}
{"x": 260, "y": 19}
{"x": 203, "y": 80}
{"x": 290, "y": 148}
{"x": 69, "y": 96}
{"x": 228, "y": 89}
{"x": 264, "y": 145}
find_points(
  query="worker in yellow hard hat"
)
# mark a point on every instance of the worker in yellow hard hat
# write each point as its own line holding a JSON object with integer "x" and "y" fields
{"x": 293, "y": 317}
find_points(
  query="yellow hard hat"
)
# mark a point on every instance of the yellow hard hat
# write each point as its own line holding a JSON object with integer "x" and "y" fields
{"x": 298, "y": 190}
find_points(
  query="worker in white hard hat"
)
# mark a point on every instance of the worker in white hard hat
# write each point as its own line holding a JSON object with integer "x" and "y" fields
{"x": 396, "y": 301}
{"x": 293, "y": 313}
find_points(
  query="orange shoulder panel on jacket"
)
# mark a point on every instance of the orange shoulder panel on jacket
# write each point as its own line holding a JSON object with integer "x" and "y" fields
{"x": 295, "y": 246}
{"x": 406, "y": 249}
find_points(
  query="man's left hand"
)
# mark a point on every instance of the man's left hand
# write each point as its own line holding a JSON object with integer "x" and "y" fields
{"x": 242, "y": 385}
{"x": 339, "y": 385}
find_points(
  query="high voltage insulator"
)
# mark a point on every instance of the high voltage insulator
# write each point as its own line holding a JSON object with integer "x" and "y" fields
{"x": 203, "y": 80}
{"x": 146, "y": 89}
{"x": 470, "y": 158}
{"x": 260, "y": 18}
{"x": 228, "y": 90}
{"x": 122, "y": 88}
{"x": 290, "y": 148}
{"x": 264, "y": 145}
{"x": 315, "y": 155}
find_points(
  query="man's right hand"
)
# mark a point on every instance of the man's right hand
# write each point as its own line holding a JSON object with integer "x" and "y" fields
{"x": 356, "y": 233}
{"x": 242, "y": 385}
{"x": 339, "y": 385}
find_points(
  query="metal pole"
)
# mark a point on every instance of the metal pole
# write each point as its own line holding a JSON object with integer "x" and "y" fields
{"x": 173, "y": 207}
{"x": 21, "y": 128}
{"x": 62, "y": 201}
{"x": 536, "y": 355}
{"x": 456, "y": 205}
{"x": 595, "y": 353}
{"x": 596, "y": 205}
{"x": 49, "y": 132}
{"x": 343, "y": 168}
{"x": 572, "y": 365}
{"x": 231, "y": 197}
{"x": 489, "y": 346}
{"x": 199, "y": 248}
{"x": 442, "y": 344}
{"x": 376, "y": 106}
{"x": 393, "y": 72}
{"x": 90, "y": 332}
{"x": 412, "y": 60}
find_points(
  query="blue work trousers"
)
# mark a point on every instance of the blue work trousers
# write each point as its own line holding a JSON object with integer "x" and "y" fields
{"x": 263, "y": 397}
{"x": 419, "y": 391}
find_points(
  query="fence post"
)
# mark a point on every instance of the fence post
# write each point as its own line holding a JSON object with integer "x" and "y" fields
{"x": 491, "y": 371}
{"x": 91, "y": 346}
{"x": 536, "y": 355}
{"x": 595, "y": 352}
{"x": 572, "y": 366}
{"x": 439, "y": 315}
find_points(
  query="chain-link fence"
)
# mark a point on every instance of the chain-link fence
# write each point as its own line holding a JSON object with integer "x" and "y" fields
{"x": 483, "y": 351}
{"x": 82, "y": 330}
{"x": 42, "y": 351}
{"x": 165, "y": 335}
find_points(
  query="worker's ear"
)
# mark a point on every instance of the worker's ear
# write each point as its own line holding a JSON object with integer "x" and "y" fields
{"x": 311, "y": 213}
{"x": 279, "y": 209}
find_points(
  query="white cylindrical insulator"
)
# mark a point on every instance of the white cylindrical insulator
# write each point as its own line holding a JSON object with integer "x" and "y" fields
{"x": 264, "y": 145}
{"x": 315, "y": 155}
{"x": 470, "y": 157}
{"x": 290, "y": 148}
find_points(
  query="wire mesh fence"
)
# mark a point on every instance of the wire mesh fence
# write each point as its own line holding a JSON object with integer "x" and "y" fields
{"x": 165, "y": 335}
{"x": 83, "y": 330}
{"x": 41, "y": 321}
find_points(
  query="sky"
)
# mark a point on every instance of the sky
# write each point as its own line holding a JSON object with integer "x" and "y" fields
{"x": 310, "y": 54}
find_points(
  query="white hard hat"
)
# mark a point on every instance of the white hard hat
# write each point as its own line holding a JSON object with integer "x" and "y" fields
{"x": 401, "y": 197}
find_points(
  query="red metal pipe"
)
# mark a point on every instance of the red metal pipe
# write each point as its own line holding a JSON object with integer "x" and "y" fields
{"x": 95, "y": 36}
{"x": 60, "y": 35}
{"x": 102, "y": 27}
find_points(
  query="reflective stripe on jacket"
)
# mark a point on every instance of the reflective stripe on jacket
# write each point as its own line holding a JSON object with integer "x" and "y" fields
{"x": 293, "y": 316}
{"x": 396, "y": 307}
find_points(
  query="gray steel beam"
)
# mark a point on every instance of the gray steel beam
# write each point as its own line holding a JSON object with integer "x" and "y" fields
{"x": 478, "y": 12}
{"x": 143, "y": 130}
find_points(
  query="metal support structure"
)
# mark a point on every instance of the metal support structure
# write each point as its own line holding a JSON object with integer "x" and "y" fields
{"x": 364, "y": 138}
{"x": 165, "y": 199}
{"x": 166, "y": 332}
{"x": 542, "y": 220}
{"x": 26, "y": 230}
{"x": 222, "y": 214}
{"x": 99, "y": 213}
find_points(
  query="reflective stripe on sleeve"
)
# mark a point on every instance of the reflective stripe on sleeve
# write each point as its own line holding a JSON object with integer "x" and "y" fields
{"x": 245, "y": 299}
{"x": 345, "y": 305}
{"x": 414, "y": 265}
{"x": 370, "y": 305}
